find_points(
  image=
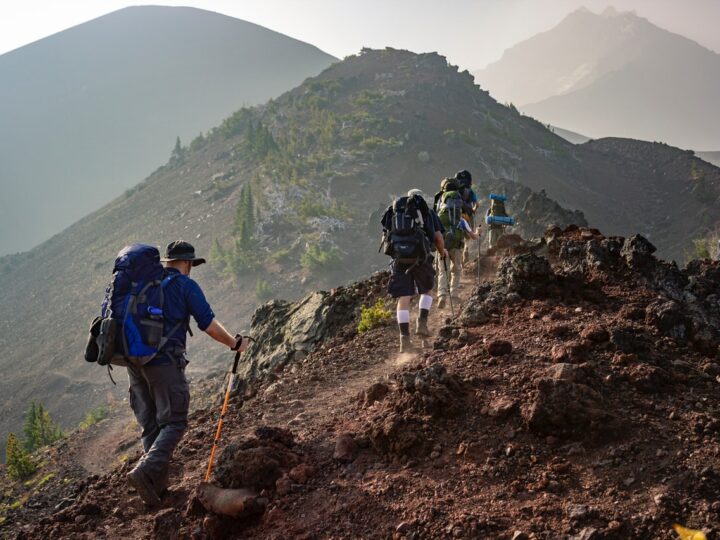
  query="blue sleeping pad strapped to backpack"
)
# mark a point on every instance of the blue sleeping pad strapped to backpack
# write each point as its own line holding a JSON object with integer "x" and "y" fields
{"x": 134, "y": 299}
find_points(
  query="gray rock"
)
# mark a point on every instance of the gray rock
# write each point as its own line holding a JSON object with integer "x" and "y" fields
{"x": 577, "y": 512}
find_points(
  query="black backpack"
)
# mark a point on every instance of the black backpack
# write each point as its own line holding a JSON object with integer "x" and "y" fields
{"x": 405, "y": 239}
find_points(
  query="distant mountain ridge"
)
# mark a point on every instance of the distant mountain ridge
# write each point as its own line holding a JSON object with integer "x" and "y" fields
{"x": 613, "y": 74}
{"x": 89, "y": 111}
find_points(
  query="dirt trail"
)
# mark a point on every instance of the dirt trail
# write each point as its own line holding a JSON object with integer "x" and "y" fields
{"x": 107, "y": 444}
{"x": 321, "y": 401}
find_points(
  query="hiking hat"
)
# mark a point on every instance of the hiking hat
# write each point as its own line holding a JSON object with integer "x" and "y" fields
{"x": 464, "y": 176}
{"x": 181, "y": 251}
{"x": 416, "y": 191}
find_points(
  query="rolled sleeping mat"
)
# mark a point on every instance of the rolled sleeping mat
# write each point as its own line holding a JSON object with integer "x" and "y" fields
{"x": 501, "y": 198}
{"x": 499, "y": 220}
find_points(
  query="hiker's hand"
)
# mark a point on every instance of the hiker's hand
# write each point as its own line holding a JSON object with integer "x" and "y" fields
{"x": 240, "y": 343}
{"x": 445, "y": 254}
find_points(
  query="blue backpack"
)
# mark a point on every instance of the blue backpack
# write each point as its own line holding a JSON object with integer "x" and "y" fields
{"x": 129, "y": 330}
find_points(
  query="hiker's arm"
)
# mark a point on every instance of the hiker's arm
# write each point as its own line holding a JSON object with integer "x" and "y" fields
{"x": 218, "y": 333}
{"x": 440, "y": 244}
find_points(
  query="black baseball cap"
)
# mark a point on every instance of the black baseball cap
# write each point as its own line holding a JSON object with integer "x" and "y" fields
{"x": 181, "y": 251}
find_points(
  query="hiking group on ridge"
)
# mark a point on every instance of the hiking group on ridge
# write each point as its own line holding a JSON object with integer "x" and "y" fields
{"x": 146, "y": 311}
{"x": 427, "y": 243}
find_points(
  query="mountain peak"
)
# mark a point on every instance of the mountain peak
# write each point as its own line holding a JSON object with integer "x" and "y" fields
{"x": 610, "y": 11}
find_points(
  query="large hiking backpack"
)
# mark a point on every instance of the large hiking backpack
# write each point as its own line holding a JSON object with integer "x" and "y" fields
{"x": 405, "y": 240}
{"x": 129, "y": 330}
{"x": 448, "y": 184}
{"x": 497, "y": 208}
{"x": 450, "y": 211}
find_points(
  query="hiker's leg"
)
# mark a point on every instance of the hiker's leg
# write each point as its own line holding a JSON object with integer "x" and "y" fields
{"x": 403, "y": 315}
{"x": 455, "y": 256}
{"x": 172, "y": 399}
{"x": 142, "y": 404}
{"x": 442, "y": 281}
{"x": 402, "y": 287}
{"x": 424, "y": 277}
{"x": 495, "y": 234}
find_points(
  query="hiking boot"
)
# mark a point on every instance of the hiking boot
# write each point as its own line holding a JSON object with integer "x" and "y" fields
{"x": 441, "y": 302}
{"x": 406, "y": 345}
{"x": 422, "y": 328}
{"x": 162, "y": 482}
{"x": 142, "y": 484}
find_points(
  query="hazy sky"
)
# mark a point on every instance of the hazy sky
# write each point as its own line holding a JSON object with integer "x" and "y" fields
{"x": 470, "y": 33}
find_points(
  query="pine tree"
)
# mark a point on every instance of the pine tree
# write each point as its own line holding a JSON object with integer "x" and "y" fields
{"x": 178, "y": 152}
{"x": 244, "y": 227}
{"x": 250, "y": 211}
{"x": 217, "y": 253}
{"x": 240, "y": 212}
{"x": 40, "y": 430}
{"x": 30, "y": 428}
{"x": 19, "y": 463}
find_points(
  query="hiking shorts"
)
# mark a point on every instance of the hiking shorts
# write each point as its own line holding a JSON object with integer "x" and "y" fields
{"x": 420, "y": 280}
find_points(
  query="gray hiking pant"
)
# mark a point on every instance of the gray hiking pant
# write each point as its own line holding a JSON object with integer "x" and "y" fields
{"x": 160, "y": 399}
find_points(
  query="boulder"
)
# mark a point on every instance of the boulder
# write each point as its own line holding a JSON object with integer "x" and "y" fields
{"x": 345, "y": 448}
{"x": 566, "y": 409}
{"x": 668, "y": 318}
{"x": 637, "y": 252}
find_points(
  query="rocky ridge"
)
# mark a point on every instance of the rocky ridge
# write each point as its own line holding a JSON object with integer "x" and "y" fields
{"x": 575, "y": 397}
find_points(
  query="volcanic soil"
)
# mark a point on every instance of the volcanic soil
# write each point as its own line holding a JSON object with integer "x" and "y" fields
{"x": 575, "y": 396}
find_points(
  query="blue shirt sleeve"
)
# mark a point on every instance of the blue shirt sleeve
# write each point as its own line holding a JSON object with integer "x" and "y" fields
{"x": 473, "y": 196}
{"x": 198, "y": 305}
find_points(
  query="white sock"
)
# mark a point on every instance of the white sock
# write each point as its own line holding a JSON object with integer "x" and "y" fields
{"x": 403, "y": 316}
{"x": 426, "y": 301}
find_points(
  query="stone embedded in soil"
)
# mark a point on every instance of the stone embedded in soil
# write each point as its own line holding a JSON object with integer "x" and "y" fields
{"x": 566, "y": 352}
{"x": 376, "y": 392}
{"x": 301, "y": 473}
{"x": 577, "y": 512}
{"x": 564, "y": 372}
{"x": 345, "y": 448}
{"x": 166, "y": 523}
{"x": 569, "y": 410}
{"x": 595, "y": 333}
{"x": 588, "y": 533}
{"x": 234, "y": 503}
{"x": 501, "y": 407}
{"x": 668, "y": 317}
{"x": 499, "y": 348}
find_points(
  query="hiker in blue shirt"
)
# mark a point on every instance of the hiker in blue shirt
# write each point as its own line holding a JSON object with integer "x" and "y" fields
{"x": 471, "y": 202}
{"x": 159, "y": 391}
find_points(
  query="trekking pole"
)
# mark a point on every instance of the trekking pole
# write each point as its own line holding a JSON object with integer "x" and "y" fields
{"x": 231, "y": 380}
{"x": 447, "y": 280}
{"x": 478, "y": 263}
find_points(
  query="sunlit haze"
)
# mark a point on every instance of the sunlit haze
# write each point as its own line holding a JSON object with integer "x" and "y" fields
{"x": 471, "y": 33}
